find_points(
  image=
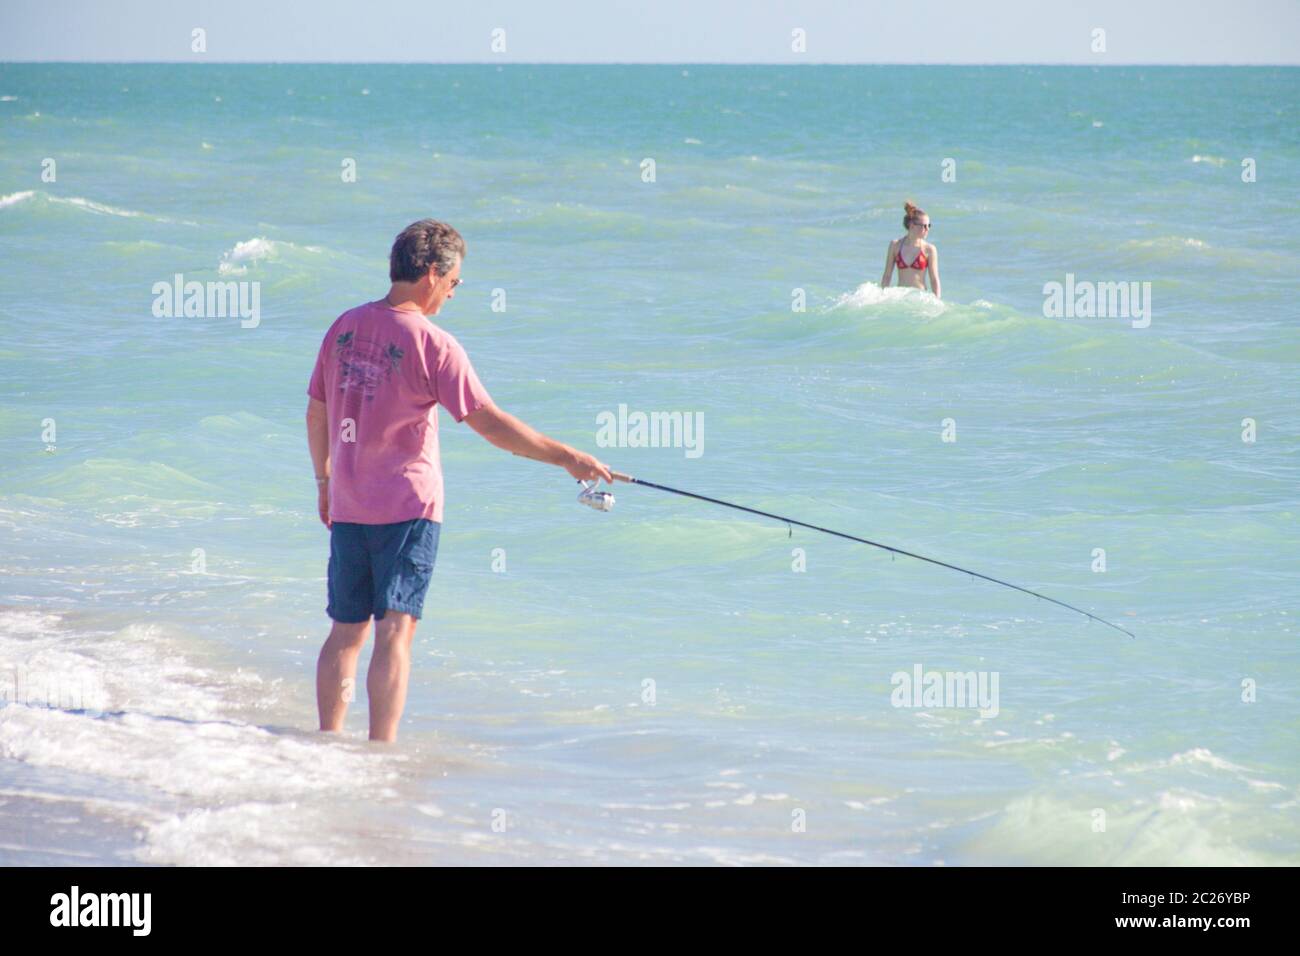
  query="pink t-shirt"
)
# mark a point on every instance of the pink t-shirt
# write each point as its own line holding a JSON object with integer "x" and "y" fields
{"x": 380, "y": 372}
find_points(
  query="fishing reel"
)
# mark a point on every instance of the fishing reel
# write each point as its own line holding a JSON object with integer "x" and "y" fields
{"x": 593, "y": 497}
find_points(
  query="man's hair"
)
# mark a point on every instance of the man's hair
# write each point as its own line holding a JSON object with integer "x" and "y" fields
{"x": 423, "y": 244}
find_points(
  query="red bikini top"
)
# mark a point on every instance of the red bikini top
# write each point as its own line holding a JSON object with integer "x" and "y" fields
{"x": 918, "y": 263}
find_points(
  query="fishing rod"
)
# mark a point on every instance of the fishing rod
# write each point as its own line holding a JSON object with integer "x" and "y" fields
{"x": 604, "y": 501}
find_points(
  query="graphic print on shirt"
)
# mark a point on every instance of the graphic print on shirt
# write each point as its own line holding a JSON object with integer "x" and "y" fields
{"x": 363, "y": 366}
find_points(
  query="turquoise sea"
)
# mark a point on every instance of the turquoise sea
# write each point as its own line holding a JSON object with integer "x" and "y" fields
{"x": 660, "y": 684}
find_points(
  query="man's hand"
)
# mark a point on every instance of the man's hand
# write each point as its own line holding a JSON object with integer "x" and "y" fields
{"x": 323, "y": 502}
{"x": 585, "y": 467}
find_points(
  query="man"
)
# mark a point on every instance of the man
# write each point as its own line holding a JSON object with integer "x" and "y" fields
{"x": 372, "y": 428}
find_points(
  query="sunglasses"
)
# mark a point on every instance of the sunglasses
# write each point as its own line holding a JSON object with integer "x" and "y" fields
{"x": 456, "y": 282}
{"x": 923, "y": 225}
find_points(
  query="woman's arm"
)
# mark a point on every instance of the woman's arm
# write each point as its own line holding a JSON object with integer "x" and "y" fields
{"x": 889, "y": 267}
{"x": 934, "y": 272}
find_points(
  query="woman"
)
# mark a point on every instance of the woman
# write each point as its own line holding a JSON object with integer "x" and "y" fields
{"x": 914, "y": 257}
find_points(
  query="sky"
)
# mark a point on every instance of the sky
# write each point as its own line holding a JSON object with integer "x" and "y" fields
{"x": 655, "y": 31}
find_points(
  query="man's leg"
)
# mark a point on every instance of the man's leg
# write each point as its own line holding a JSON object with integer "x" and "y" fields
{"x": 390, "y": 668}
{"x": 336, "y": 665}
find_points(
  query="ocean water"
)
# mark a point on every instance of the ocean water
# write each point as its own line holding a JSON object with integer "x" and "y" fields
{"x": 659, "y": 684}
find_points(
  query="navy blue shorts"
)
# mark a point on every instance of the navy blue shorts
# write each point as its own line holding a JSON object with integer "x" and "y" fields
{"x": 380, "y": 567}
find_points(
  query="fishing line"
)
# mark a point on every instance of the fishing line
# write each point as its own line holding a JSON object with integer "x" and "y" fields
{"x": 604, "y": 501}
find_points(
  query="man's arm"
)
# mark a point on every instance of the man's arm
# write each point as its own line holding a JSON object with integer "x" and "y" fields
{"x": 507, "y": 432}
{"x": 318, "y": 443}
